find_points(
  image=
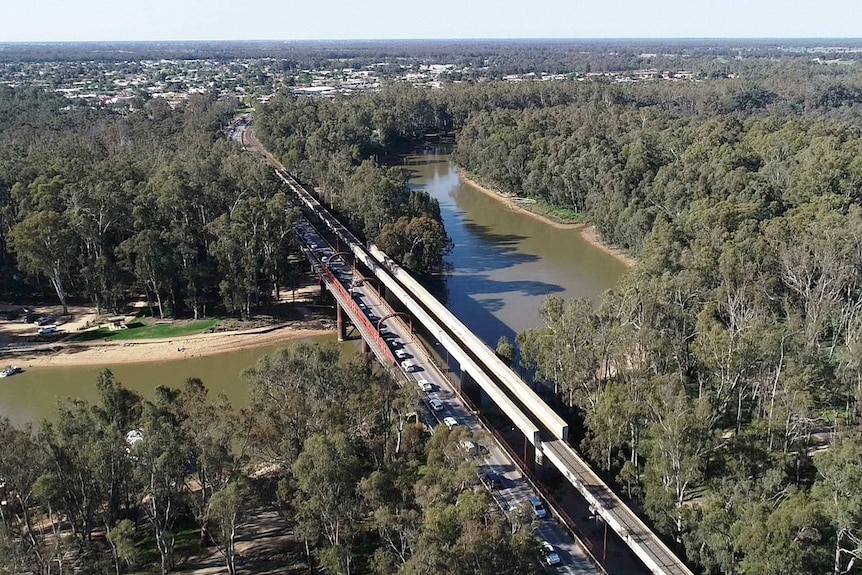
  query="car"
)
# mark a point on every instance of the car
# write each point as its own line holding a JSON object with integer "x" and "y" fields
{"x": 44, "y": 320}
{"x": 491, "y": 480}
{"x": 551, "y": 555}
{"x": 450, "y": 422}
{"x": 11, "y": 370}
{"x": 436, "y": 404}
{"x": 425, "y": 385}
{"x": 538, "y": 508}
{"x": 468, "y": 447}
{"x": 408, "y": 365}
{"x": 401, "y": 354}
{"x": 46, "y": 329}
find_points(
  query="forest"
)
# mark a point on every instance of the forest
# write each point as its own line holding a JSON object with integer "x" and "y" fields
{"x": 719, "y": 383}
{"x": 101, "y": 207}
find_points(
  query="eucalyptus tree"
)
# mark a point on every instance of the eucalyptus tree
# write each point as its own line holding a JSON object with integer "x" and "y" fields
{"x": 45, "y": 244}
{"x": 839, "y": 489}
{"x": 21, "y": 464}
{"x": 162, "y": 458}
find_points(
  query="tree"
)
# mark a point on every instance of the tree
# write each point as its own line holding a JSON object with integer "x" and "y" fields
{"x": 418, "y": 244}
{"x": 21, "y": 464}
{"x": 505, "y": 350}
{"x": 45, "y": 245}
{"x": 224, "y": 512}
{"x": 147, "y": 255}
{"x": 162, "y": 459}
{"x": 839, "y": 488}
{"x": 678, "y": 440}
{"x": 291, "y": 391}
{"x": 326, "y": 502}
{"x": 564, "y": 351}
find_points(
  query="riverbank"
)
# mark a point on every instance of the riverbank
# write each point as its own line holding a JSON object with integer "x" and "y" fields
{"x": 587, "y": 231}
{"x": 144, "y": 351}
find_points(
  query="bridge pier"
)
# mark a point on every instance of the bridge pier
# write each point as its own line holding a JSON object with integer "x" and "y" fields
{"x": 364, "y": 348}
{"x": 340, "y": 324}
{"x": 322, "y": 285}
{"x": 470, "y": 390}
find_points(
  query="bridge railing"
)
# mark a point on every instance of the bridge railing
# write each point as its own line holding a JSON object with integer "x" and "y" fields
{"x": 348, "y": 302}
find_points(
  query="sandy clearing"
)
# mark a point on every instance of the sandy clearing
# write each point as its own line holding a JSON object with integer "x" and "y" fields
{"x": 141, "y": 351}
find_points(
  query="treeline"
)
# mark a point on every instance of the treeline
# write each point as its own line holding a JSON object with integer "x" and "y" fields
{"x": 332, "y": 447}
{"x": 630, "y": 169}
{"x": 101, "y": 207}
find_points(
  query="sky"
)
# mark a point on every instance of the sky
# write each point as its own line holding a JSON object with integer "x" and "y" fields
{"x": 105, "y": 20}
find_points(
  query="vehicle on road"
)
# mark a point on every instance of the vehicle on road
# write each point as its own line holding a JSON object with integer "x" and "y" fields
{"x": 551, "y": 556}
{"x": 450, "y": 422}
{"x": 425, "y": 385}
{"x": 408, "y": 366}
{"x": 538, "y": 508}
{"x": 468, "y": 447}
{"x": 436, "y": 404}
{"x": 400, "y": 353}
{"x": 46, "y": 329}
{"x": 491, "y": 480}
{"x": 44, "y": 320}
{"x": 10, "y": 370}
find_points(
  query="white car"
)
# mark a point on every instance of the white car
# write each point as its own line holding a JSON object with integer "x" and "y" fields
{"x": 408, "y": 365}
{"x": 425, "y": 385}
{"x": 468, "y": 447}
{"x": 538, "y": 509}
{"x": 401, "y": 354}
{"x": 551, "y": 555}
{"x": 450, "y": 422}
{"x": 436, "y": 404}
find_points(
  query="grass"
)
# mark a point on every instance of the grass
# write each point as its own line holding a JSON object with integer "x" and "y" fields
{"x": 557, "y": 213}
{"x": 139, "y": 330}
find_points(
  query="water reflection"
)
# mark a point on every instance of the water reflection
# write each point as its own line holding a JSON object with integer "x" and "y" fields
{"x": 505, "y": 262}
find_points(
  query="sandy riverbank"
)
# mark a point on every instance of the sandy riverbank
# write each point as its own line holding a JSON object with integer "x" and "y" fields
{"x": 588, "y": 231}
{"x": 140, "y": 351}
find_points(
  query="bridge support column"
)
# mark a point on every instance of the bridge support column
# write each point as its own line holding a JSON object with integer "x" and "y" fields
{"x": 340, "y": 324}
{"x": 322, "y": 285}
{"x": 365, "y": 349}
{"x": 470, "y": 390}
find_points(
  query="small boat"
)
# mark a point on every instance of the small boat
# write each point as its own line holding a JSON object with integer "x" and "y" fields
{"x": 11, "y": 370}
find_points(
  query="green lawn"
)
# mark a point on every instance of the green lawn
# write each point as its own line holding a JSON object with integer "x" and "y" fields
{"x": 139, "y": 330}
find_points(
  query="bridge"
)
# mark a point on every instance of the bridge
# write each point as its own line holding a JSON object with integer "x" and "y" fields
{"x": 540, "y": 425}
{"x": 546, "y": 431}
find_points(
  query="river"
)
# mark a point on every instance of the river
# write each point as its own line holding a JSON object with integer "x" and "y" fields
{"x": 506, "y": 262}
{"x": 503, "y": 265}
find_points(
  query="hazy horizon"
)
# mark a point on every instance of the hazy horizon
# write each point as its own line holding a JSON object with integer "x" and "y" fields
{"x": 60, "y": 21}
